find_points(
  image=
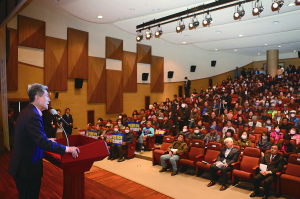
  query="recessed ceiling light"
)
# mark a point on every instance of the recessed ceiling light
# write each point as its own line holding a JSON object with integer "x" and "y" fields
{"x": 131, "y": 8}
{"x": 121, "y": 18}
{"x": 184, "y": 42}
{"x": 275, "y": 22}
{"x": 216, "y": 49}
{"x": 266, "y": 44}
{"x": 279, "y": 46}
{"x": 258, "y": 53}
{"x": 187, "y": 36}
{"x": 218, "y": 31}
{"x": 295, "y": 51}
{"x": 235, "y": 50}
{"x": 241, "y": 35}
{"x": 55, "y": 0}
{"x": 100, "y": 17}
{"x": 154, "y": 10}
{"x": 291, "y": 4}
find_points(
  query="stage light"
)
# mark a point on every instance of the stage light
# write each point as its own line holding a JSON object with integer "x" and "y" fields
{"x": 240, "y": 12}
{"x": 258, "y": 7}
{"x": 297, "y": 1}
{"x": 148, "y": 34}
{"x": 139, "y": 36}
{"x": 194, "y": 23}
{"x": 277, "y": 4}
{"x": 207, "y": 20}
{"x": 158, "y": 32}
{"x": 180, "y": 26}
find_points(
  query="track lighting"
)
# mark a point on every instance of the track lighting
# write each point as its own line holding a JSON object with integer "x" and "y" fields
{"x": 194, "y": 23}
{"x": 207, "y": 20}
{"x": 240, "y": 12}
{"x": 158, "y": 32}
{"x": 148, "y": 34}
{"x": 277, "y": 4}
{"x": 139, "y": 36}
{"x": 180, "y": 26}
{"x": 258, "y": 8}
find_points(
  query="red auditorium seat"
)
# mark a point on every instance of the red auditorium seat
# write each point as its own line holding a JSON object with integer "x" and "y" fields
{"x": 131, "y": 147}
{"x": 289, "y": 183}
{"x": 190, "y": 158}
{"x": 213, "y": 150}
{"x": 246, "y": 169}
{"x": 260, "y": 130}
{"x": 157, "y": 152}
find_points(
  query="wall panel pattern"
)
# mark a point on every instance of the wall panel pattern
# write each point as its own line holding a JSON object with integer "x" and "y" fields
{"x": 96, "y": 87}
{"x": 12, "y": 61}
{"x": 143, "y": 54}
{"x": 129, "y": 66}
{"x": 114, "y": 48}
{"x": 56, "y": 64}
{"x": 77, "y": 53}
{"x": 114, "y": 91}
{"x": 157, "y": 74}
{"x": 31, "y": 32}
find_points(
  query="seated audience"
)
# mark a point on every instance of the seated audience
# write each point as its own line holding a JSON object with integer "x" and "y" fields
{"x": 285, "y": 125}
{"x": 228, "y": 126}
{"x": 215, "y": 106}
{"x": 174, "y": 151}
{"x": 200, "y": 125}
{"x": 125, "y": 120}
{"x": 274, "y": 164}
{"x": 185, "y": 131}
{"x": 147, "y": 131}
{"x": 212, "y": 135}
{"x": 144, "y": 120}
{"x": 120, "y": 124}
{"x": 229, "y": 134}
{"x": 212, "y": 117}
{"x": 277, "y": 117}
{"x": 228, "y": 155}
{"x": 127, "y": 139}
{"x": 286, "y": 146}
{"x": 165, "y": 125}
{"x": 265, "y": 143}
{"x": 194, "y": 115}
{"x": 254, "y": 123}
{"x": 197, "y": 134}
{"x": 109, "y": 124}
{"x": 277, "y": 134}
{"x": 135, "y": 113}
{"x": 269, "y": 124}
{"x": 293, "y": 118}
{"x": 155, "y": 122}
{"x": 294, "y": 135}
{"x": 244, "y": 141}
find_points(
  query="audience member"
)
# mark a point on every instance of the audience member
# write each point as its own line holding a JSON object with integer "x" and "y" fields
{"x": 244, "y": 141}
{"x": 212, "y": 135}
{"x": 286, "y": 146}
{"x": 229, "y": 134}
{"x": 147, "y": 131}
{"x": 68, "y": 118}
{"x": 265, "y": 143}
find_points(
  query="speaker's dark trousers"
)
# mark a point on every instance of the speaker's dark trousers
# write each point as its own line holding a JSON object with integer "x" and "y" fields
{"x": 28, "y": 188}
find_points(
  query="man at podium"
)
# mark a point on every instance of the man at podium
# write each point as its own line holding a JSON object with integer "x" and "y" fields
{"x": 26, "y": 164}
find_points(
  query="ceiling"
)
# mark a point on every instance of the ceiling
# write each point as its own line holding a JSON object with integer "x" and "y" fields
{"x": 271, "y": 27}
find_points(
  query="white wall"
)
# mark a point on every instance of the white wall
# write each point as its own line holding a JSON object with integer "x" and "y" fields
{"x": 177, "y": 58}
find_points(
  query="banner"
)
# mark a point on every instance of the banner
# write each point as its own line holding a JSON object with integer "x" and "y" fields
{"x": 159, "y": 132}
{"x": 3, "y": 86}
{"x": 82, "y": 132}
{"x": 117, "y": 138}
{"x": 92, "y": 134}
{"x": 109, "y": 138}
{"x": 134, "y": 126}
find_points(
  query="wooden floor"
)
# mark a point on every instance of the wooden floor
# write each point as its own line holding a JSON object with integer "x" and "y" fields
{"x": 98, "y": 184}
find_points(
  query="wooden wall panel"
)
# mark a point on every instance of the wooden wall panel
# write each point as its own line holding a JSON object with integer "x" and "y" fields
{"x": 157, "y": 74}
{"x": 114, "y": 91}
{"x": 12, "y": 61}
{"x": 56, "y": 64}
{"x": 114, "y": 48}
{"x": 31, "y": 32}
{"x": 96, "y": 87}
{"x": 129, "y": 67}
{"x": 143, "y": 54}
{"x": 77, "y": 53}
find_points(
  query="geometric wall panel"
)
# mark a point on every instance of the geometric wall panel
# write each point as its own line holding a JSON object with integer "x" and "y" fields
{"x": 129, "y": 66}
{"x": 114, "y": 91}
{"x": 157, "y": 74}
{"x": 12, "y": 60}
{"x": 114, "y": 48}
{"x": 31, "y": 32}
{"x": 96, "y": 87}
{"x": 77, "y": 53}
{"x": 56, "y": 64}
{"x": 143, "y": 54}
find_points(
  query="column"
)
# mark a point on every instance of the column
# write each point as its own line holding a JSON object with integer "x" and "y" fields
{"x": 272, "y": 62}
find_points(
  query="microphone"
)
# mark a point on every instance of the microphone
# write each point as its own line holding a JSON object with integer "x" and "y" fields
{"x": 54, "y": 112}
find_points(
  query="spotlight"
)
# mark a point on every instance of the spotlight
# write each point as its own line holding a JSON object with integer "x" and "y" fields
{"x": 258, "y": 7}
{"x": 207, "y": 20}
{"x": 158, "y": 32}
{"x": 240, "y": 12}
{"x": 297, "y": 2}
{"x": 277, "y": 4}
{"x": 194, "y": 23}
{"x": 139, "y": 36}
{"x": 180, "y": 26}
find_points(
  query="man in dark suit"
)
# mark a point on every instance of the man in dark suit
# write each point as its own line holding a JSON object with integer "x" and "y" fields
{"x": 228, "y": 155}
{"x": 187, "y": 86}
{"x": 68, "y": 118}
{"x": 26, "y": 164}
{"x": 274, "y": 164}
{"x": 225, "y": 102}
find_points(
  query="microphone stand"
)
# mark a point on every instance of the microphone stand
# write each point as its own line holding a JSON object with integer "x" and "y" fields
{"x": 64, "y": 132}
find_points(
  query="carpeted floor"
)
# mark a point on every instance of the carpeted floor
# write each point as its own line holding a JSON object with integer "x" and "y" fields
{"x": 183, "y": 185}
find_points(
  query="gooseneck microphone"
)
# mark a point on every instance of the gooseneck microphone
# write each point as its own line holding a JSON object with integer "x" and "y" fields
{"x": 54, "y": 112}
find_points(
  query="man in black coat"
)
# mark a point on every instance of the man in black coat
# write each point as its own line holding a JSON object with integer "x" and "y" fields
{"x": 274, "y": 164}
{"x": 26, "y": 164}
{"x": 227, "y": 156}
{"x": 68, "y": 118}
{"x": 183, "y": 115}
{"x": 187, "y": 87}
{"x": 225, "y": 102}
{"x": 49, "y": 123}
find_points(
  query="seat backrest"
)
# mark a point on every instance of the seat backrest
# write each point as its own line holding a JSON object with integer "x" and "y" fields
{"x": 252, "y": 138}
{"x": 272, "y": 140}
{"x": 236, "y": 136}
{"x": 260, "y": 129}
{"x": 251, "y": 158}
{"x": 187, "y": 141}
{"x": 206, "y": 124}
{"x": 293, "y": 166}
{"x": 168, "y": 139}
{"x": 165, "y": 145}
{"x": 204, "y": 132}
{"x": 197, "y": 148}
{"x": 213, "y": 150}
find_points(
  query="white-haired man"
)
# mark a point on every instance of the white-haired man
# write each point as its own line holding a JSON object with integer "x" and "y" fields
{"x": 228, "y": 155}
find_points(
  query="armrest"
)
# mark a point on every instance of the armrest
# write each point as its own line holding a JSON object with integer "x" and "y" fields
{"x": 155, "y": 148}
{"x": 200, "y": 158}
{"x": 235, "y": 165}
{"x": 184, "y": 155}
{"x": 255, "y": 170}
{"x": 214, "y": 160}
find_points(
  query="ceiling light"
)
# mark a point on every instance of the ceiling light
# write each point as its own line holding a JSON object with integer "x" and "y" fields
{"x": 258, "y": 53}
{"x": 240, "y": 12}
{"x": 266, "y": 44}
{"x": 180, "y": 26}
{"x": 207, "y": 20}
{"x": 235, "y": 50}
{"x": 158, "y": 32}
{"x": 216, "y": 49}
{"x": 194, "y": 23}
{"x": 277, "y": 4}
{"x": 184, "y": 42}
{"x": 218, "y": 31}
{"x": 131, "y": 8}
{"x": 275, "y": 22}
{"x": 241, "y": 35}
{"x": 148, "y": 34}
{"x": 187, "y": 36}
{"x": 279, "y": 46}
{"x": 100, "y": 17}
{"x": 154, "y": 10}
{"x": 139, "y": 36}
{"x": 258, "y": 7}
